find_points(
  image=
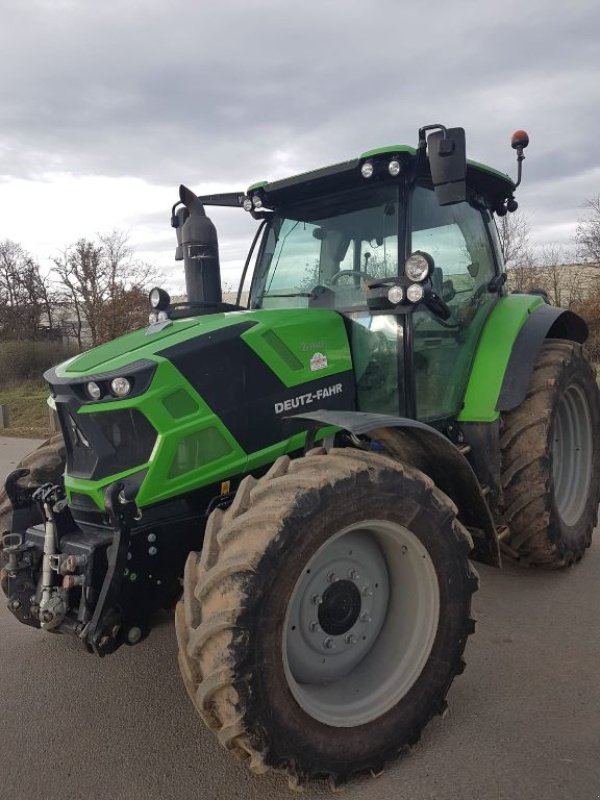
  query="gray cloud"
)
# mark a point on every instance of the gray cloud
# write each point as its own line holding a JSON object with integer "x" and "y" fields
{"x": 232, "y": 92}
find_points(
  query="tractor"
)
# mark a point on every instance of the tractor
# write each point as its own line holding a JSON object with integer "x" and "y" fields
{"x": 306, "y": 474}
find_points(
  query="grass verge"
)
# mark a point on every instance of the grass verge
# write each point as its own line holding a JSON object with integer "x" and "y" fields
{"x": 27, "y": 409}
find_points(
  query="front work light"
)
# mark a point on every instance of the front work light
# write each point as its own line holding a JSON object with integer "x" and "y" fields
{"x": 159, "y": 299}
{"x": 93, "y": 390}
{"x": 415, "y": 293}
{"x": 395, "y": 294}
{"x": 394, "y": 167}
{"x": 418, "y": 266}
{"x": 120, "y": 387}
{"x": 367, "y": 169}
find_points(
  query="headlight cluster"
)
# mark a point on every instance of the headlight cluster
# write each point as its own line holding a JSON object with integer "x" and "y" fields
{"x": 157, "y": 316}
{"x": 119, "y": 387}
{"x": 394, "y": 168}
{"x": 418, "y": 268}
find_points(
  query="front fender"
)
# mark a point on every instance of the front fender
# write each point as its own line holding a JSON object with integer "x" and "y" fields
{"x": 431, "y": 452}
{"x": 507, "y": 350}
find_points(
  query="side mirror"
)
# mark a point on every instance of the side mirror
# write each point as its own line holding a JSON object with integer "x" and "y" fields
{"x": 448, "y": 164}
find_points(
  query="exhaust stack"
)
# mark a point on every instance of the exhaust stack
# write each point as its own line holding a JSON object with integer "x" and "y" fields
{"x": 198, "y": 248}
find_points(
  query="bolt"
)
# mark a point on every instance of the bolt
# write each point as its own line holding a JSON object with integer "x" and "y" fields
{"x": 317, "y": 599}
{"x": 151, "y": 537}
{"x": 134, "y": 635}
{"x": 15, "y": 605}
{"x": 152, "y": 551}
{"x": 314, "y": 626}
{"x": 404, "y": 549}
{"x": 350, "y": 638}
{"x": 328, "y": 643}
{"x": 353, "y": 575}
{"x": 332, "y": 577}
{"x": 365, "y": 617}
{"x": 367, "y": 591}
{"x": 133, "y": 577}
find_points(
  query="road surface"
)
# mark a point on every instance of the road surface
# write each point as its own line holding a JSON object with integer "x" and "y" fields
{"x": 523, "y": 724}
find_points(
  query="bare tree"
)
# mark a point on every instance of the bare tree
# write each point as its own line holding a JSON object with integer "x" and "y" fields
{"x": 104, "y": 285}
{"x": 587, "y": 233}
{"x": 513, "y": 231}
{"x": 26, "y": 297}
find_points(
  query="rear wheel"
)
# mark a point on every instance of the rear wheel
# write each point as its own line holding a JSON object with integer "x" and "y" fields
{"x": 326, "y": 618}
{"x": 551, "y": 459}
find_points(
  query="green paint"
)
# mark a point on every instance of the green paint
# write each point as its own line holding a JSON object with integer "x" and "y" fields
{"x": 493, "y": 353}
{"x": 257, "y": 185}
{"x": 193, "y": 448}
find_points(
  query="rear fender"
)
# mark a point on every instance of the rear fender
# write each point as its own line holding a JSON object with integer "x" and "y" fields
{"x": 429, "y": 451}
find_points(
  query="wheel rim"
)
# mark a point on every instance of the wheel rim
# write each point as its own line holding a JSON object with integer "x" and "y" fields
{"x": 360, "y": 623}
{"x": 572, "y": 454}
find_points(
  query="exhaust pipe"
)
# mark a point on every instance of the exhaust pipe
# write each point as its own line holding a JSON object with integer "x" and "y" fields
{"x": 198, "y": 248}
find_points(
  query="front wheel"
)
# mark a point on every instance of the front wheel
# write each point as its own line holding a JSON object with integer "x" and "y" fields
{"x": 326, "y": 618}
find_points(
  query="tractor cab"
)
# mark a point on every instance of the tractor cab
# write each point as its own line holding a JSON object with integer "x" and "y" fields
{"x": 414, "y": 272}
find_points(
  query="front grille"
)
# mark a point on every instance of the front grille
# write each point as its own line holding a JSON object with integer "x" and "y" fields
{"x": 105, "y": 443}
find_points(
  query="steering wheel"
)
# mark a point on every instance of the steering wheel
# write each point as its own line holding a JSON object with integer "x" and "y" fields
{"x": 340, "y": 274}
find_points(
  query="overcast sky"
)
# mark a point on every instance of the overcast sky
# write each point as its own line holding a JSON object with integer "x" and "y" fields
{"x": 108, "y": 106}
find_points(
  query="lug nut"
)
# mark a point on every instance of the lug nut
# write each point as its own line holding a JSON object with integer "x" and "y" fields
{"x": 152, "y": 551}
{"x": 15, "y": 605}
{"x": 317, "y": 599}
{"x": 351, "y": 638}
{"x": 353, "y": 575}
{"x": 332, "y": 577}
{"x": 365, "y": 617}
{"x": 367, "y": 591}
{"x": 328, "y": 643}
{"x": 151, "y": 537}
{"x": 314, "y": 627}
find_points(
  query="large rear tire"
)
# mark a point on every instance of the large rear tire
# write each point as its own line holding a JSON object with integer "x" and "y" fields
{"x": 324, "y": 621}
{"x": 551, "y": 459}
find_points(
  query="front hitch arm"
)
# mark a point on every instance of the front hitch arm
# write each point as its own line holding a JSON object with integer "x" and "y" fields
{"x": 103, "y": 633}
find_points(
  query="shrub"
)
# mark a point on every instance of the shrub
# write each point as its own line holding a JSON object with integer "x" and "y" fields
{"x": 26, "y": 361}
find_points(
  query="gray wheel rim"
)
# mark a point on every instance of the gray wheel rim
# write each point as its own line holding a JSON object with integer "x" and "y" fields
{"x": 360, "y": 623}
{"x": 572, "y": 454}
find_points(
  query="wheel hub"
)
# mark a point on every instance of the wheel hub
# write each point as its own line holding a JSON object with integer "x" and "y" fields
{"x": 340, "y": 607}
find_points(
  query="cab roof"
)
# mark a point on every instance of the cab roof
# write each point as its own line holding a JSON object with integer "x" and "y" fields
{"x": 494, "y": 185}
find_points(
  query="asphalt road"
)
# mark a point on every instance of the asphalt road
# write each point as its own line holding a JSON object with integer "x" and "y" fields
{"x": 524, "y": 719}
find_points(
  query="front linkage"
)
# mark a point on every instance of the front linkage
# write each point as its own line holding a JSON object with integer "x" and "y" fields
{"x": 102, "y": 585}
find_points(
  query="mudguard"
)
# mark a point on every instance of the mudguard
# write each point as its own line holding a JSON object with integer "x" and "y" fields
{"x": 430, "y": 451}
{"x": 507, "y": 351}
{"x": 545, "y": 322}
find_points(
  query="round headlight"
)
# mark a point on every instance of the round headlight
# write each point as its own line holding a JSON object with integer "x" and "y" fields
{"x": 153, "y": 317}
{"x": 415, "y": 293}
{"x": 120, "y": 386}
{"x": 395, "y": 294}
{"x": 256, "y": 202}
{"x": 93, "y": 390}
{"x": 159, "y": 298}
{"x": 247, "y": 204}
{"x": 394, "y": 167}
{"x": 367, "y": 169}
{"x": 162, "y": 316}
{"x": 418, "y": 266}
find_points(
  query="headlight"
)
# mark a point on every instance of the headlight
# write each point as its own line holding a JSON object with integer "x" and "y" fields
{"x": 247, "y": 204}
{"x": 153, "y": 317}
{"x": 159, "y": 299}
{"x": 257, "y": 202}
{"x": 415, "y": 293}
{"x": 162, "y": 316}
{"x": 394, "y": 167}
{"x": 395, "y": 295}
{"x": 120, "y": 387}
{"x": 93, "y": 390}
{"x": 367, "y": 169}
{"x": 418, "y": 266}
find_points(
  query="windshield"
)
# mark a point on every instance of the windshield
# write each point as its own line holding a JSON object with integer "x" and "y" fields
{"x": 335, "y": 242}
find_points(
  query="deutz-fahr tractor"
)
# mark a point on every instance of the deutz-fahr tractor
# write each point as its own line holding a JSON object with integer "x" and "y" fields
{"x": 309, "y": 471}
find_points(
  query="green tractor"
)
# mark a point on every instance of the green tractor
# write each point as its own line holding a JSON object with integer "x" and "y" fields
{"x": 315, "y": 466}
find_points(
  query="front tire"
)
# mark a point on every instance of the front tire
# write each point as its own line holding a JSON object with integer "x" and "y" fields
{"x": 550, "y": 449}
{"x": 312, "y": 697}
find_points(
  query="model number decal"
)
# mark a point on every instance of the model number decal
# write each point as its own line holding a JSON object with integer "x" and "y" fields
{"x": 307, "y": 399}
